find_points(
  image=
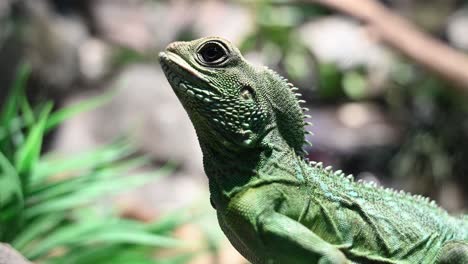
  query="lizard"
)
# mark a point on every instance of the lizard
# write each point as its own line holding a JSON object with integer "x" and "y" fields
{"x": 273, "y": 204}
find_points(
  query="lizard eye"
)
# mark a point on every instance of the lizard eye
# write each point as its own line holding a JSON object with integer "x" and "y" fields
{"x": 212, "y": 53}
{"x": 247, "y": 93}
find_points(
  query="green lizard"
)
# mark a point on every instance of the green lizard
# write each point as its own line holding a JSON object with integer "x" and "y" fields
{"x": 274, "y": 205}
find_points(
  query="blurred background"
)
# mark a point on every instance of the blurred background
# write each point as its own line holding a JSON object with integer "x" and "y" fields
{"x": 377, "y": 113}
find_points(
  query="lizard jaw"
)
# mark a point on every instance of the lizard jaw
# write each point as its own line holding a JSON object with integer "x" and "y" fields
{"x": 185, "y": 81}
{"x": 174, "y": 62}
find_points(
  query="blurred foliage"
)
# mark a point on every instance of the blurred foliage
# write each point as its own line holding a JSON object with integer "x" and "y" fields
{"x": 125, "y": 56}
{"x": 432, "y": 117}
{"x": 275, "y": 35}
{"x": 435, "y": 119}
{"x": 45, "y": 201}
{"x": 45, "y": 210}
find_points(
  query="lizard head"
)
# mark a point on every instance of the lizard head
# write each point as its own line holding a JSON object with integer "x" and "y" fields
{"x": 228, "y": 99}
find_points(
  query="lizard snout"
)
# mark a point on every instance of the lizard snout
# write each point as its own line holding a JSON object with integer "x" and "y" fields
{"x": 174, "y": 46}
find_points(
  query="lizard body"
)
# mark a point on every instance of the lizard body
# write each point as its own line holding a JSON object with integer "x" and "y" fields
{"x": 274, "y": 205}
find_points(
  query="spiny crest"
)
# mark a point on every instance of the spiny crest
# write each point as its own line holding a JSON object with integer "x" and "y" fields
{"x": 291, "y": 117}
{"x": 328, "y": 171}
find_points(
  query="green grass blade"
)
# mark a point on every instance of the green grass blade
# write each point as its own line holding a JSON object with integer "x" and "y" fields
{"x": 50, "y": 166}
{"x": 101, "y": 231}
{"x": 60, "y": 237}
{"x": 139, "y": 237}
{"x": 48, "y": 191}
{"x": 10, "y": 110}
{"x": 170, "y": 221}
{"x": 28, "y": 113}
{"x": 36, "y": 230}
{"x": 28, "y": 154}
{"x": 66, "y": 113}
{"x": 179, "y": 259}
{"x": 15, "y": 127}
{"x": 115, "y": 254}
{"x": 84, "y": 197}
{"x": 11, "y": 200}
{"x": 90, "y": 193}
{"x": 10, "y": 183}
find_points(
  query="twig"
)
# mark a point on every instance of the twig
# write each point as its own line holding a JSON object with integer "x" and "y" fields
{"x": 397, "y": 32}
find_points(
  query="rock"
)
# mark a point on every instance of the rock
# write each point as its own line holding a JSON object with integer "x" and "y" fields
{"x": 351, "y": 126}
{"x": 163, "y": 195}
{"x": 9, "y": 255}
{"x": 94, "y": 58}
{"x": 125, "y": 23}
{"x": 457, "y": 29}
{"x": 145, "y": 25}
{"x": 220, "y": 18}
{"x": 52, "y": 44}
{"x": 4, "y": 8}
{"x": 346, "y": 43}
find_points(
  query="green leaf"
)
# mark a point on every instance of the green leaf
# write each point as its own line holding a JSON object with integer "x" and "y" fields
{"x": 90, "y": 193}
{"x": 10, "y": 110}
{"x": 13, "y": 131}
{"x": 50, "y": 166}
{"x": 28, "y": 154}
{"x": 60, "y": 116}
{"x": 11, "y": 199}
{"x": 47, "y": 191}
{"x": 10, "y": 183}
{"x": 330, "y": 78}
{"x": 28, "y": 113}
{"x": 115, "y": 254}
{"x": 139, "y": 237}
{"x": 354, "y": 85}
{"x": 125, "y": 56}
{"x": 179, "y": 259}
{"x": 97, "y": 231}
{"x": 170, "y": 221}
{"x": 36, "y": 229}
{"x": 60, "y": 237}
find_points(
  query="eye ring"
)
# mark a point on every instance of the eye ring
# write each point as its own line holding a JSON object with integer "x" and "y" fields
{"x": 212, "y": 53}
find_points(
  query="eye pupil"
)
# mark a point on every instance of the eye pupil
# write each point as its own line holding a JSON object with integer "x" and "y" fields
{"x": 212, "y": 52}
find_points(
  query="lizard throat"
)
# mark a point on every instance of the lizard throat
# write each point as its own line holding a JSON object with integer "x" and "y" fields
{"x": 231, "y": 172}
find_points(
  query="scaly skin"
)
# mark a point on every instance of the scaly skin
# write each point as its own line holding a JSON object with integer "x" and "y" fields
{"x": 273, "y": 205}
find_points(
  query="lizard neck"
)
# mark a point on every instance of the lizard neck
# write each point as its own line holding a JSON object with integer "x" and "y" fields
{"x": 231, "y": 170}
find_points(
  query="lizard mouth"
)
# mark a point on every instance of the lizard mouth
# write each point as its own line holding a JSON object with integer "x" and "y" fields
{"x": 173, "y": 61}
{"x": 184, "y": 78}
